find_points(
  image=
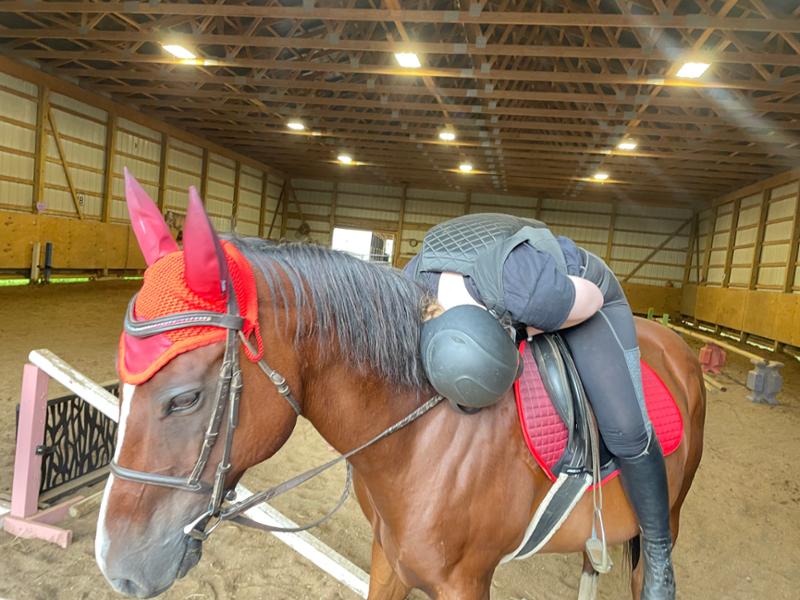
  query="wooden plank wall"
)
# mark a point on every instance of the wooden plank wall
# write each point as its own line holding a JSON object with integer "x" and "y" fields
{"x": 742, "y": 275}
{"x": 85, "y": 144}
{"x": 646, "y": 245}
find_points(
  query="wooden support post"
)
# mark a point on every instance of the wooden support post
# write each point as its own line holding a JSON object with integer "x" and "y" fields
{"x": 726, "y": 274}
{"x": 656, "y": 250}
{"x": 611, "y": 225}
{"x": 108, "y": 166}
{"x": 162, "y": 173}
{"x": 277, "y": 206}
{"x": 235, "y": 208}
{"x": 204, "y": 176}
{"x": 332, "y": 216}
{"x": 263, "y": 204}
{"x": 40, "y": 152}
{"x": 538, "y": 213}
{"x": 401, "y": 220}
{"x": 710, "y": 243}
{"x": 468, "y": 202}
{"x": 693, "y": 236}
{"x": 757, "y": 250}
{"x": 794, "y": 242}
{"x": 287, "y": 186}
{"x": 63, "y": 158}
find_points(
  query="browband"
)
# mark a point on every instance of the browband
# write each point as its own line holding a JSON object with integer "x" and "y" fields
{"x": 181, "y": 320}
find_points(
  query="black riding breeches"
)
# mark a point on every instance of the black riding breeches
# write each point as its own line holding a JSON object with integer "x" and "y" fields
{"x": 606, "y": 353}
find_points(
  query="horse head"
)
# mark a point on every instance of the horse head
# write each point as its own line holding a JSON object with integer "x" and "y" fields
{"x": 171, "y": 400}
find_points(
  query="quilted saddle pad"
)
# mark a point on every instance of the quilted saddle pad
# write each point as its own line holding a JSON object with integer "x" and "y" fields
{"x": 546, "y": 434}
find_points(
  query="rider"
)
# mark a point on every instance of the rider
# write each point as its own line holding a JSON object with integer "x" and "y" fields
{"x": 520, "y": 271}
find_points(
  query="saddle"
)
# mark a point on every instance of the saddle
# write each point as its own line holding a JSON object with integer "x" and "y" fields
{"x": 560, "y": 431}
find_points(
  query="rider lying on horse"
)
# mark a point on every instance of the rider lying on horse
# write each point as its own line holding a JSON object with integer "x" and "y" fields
{"x": 520, "y": 271}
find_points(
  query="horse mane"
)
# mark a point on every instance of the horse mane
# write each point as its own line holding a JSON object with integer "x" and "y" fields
{"x": 372, "y": 314}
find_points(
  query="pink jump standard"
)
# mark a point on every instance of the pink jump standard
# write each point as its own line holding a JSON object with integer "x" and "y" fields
{"x": 25, "y": 519}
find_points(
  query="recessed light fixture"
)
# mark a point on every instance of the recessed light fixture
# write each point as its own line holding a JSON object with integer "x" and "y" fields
{"x": 296, "y": 125}
{"x": 447, "y": 135}
{"x": 600, "y": 176}
{"x": 692, "y": 70}
{"x": 345, "y": 159}
{"x": 465, "y": 167}
{"x": 408, "y": 60}
{"x": 179, "y": 51}
{"x": 627, "y": 145}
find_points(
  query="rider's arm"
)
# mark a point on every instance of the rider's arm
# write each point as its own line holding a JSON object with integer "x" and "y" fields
{"x": 588, "y": 300}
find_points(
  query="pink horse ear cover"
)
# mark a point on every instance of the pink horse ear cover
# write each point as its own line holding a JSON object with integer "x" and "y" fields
{"x": 151, "y": 230}
{"x": 181, "y": 281}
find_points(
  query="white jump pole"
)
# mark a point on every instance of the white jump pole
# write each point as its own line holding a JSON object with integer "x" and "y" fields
{"x": 44, "y": 364}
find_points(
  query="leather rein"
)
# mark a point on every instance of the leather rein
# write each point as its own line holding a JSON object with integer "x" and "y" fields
{"x": 222, "y": 505}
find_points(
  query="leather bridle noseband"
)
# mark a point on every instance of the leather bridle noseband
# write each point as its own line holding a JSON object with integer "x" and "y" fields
{"x": 229, "y": 390}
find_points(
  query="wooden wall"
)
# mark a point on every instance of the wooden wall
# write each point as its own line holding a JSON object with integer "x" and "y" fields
{"x": 743, "y": 272}
{"x": 62, "y": 155}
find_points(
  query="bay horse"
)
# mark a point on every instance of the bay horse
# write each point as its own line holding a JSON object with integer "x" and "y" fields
{"x": 447, "y": 496}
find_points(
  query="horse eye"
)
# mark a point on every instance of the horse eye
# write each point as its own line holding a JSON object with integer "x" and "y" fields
{"x": 183, "y": 402}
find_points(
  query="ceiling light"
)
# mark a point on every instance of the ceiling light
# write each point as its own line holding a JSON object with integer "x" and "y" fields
{"x": 345, "y": 159}
{"x": 447, "y": 136}
{"x": 600, "y": 176}
{"x": 178, "y": 51}
{"x": 296, "y": 125}
{"x": 465, "y": 167}
{"x": 692, "y": 70}
{"x": 408, "y": 60}
{"x": 627, "y": 145}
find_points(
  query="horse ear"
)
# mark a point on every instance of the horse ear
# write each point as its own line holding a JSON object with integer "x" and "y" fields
{"x": 204, "y": 261}
{"x": 152, "y": 232}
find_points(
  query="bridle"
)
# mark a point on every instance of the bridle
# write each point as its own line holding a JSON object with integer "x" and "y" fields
{"x": 229, "y": 390}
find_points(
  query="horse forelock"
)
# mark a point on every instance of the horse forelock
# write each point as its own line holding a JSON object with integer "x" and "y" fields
{"x": 370, "y": 314}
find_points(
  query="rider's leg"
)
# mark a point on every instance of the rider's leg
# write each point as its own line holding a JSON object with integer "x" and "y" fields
{"x": 607, "y": 357}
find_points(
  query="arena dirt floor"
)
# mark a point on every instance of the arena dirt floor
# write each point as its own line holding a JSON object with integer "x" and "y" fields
{"x": 740, "y": 531}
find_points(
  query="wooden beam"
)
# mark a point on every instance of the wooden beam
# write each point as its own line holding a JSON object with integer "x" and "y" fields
{"x": 382, "y": 15}
{"x": 468, "y": 202}
{"x": 278, "y": 205}
{"x": 163, "y": 165}
{"x": 709, "y": 243}
{"x": 63, "y": 157}
{"x": 610, "y": 242}
{"x": 262, "y": 206}
{"x": 108, "y": 166}
{"x": 334, "y": 202}
{"x": 794, "y": 243}
{"x": 759, "y": 241}
{"x": 204, "y": 176}
{"x": 732, "y": 232}
{"x": 235, "y": 208}
{"x": 656, "y": 250}
{"x": 40, "y": 152}
{"x": 401, "y": 221}
{"x": 287, "y": 186}
{"x": 659, "y": 52}
{"x": 693, "y": 237}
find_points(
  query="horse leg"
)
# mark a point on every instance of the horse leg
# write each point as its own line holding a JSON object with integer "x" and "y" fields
{"x": 384, "y": 584}
{"x": 471, "y": 589}
{"x": 637, "y": 571}
{"x": 589, "y": 581}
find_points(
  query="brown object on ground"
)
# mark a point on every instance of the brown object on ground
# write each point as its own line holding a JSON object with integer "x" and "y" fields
{"x": 736, "y": 543}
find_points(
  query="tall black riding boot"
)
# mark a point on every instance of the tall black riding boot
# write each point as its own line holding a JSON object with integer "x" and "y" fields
{"x": 645, "y": 480}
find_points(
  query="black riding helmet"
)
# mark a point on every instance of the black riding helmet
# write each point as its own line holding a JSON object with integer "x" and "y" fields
{"x": 469, "y": 357}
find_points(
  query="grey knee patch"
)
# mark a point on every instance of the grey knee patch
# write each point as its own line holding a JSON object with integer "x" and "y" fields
{"x": 632, "y": 359}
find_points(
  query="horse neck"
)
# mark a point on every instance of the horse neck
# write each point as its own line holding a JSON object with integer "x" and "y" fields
{"x": 349, "y": 408}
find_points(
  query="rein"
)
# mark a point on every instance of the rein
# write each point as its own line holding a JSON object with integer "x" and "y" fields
{"x": 229, "y": 389}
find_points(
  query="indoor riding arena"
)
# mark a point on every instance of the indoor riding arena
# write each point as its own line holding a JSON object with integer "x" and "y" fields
{"x": 662, "y": 136}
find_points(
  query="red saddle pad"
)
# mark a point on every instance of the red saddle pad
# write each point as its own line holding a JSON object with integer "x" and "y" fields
{"x": 545, "y": 432}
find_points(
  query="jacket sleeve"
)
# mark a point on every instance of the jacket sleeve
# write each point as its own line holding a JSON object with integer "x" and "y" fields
{"x": 536, "y": 292}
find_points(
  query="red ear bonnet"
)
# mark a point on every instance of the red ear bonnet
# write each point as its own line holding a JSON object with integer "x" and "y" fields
{"x": 175, "y": 281}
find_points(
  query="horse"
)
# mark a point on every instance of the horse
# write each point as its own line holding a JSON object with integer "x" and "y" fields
{"x": 447, "y": 496}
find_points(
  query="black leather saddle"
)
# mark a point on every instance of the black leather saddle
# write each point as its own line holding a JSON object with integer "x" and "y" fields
{"x": 564, "y": 386}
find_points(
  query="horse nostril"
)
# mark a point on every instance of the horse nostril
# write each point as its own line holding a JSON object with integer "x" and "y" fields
{"x": 130, "y": 588}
